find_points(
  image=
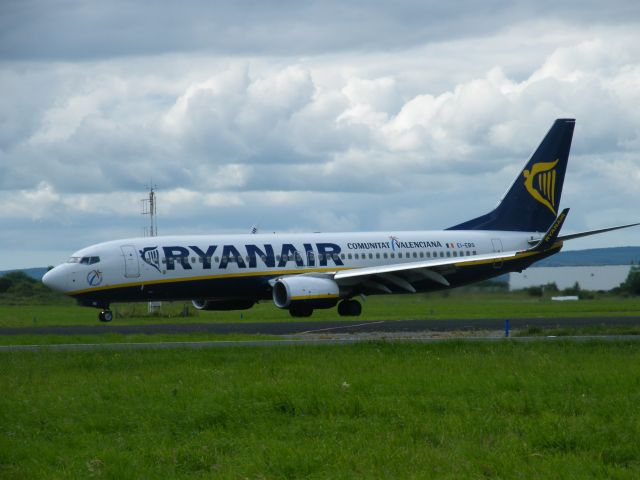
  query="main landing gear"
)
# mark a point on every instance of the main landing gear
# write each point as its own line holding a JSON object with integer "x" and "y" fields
{"x": 105, "y": 315}
{"x": 349, "y": 308}
{"x": 346, "y": 308}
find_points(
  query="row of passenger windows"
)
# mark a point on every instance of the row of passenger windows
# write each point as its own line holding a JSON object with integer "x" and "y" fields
{"x": 343, "y": 256}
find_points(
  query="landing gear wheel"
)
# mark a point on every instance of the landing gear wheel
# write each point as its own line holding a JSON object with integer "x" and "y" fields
{"x": 349, "y": 308}
{"x": 302, "y": 311}
{"x": 105, "y": 316}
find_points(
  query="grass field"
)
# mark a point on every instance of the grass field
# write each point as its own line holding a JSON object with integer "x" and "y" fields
{"x": 394, "y": 307}
{"x": 377, "y": 410}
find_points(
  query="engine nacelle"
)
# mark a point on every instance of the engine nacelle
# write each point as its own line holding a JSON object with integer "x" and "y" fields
{"x": 202, "y": 304}
{"x": 312, "y": 292}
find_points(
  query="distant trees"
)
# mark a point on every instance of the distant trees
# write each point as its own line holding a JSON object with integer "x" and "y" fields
{"x": 19, "y": 285}
{"x": 631, "y": 285}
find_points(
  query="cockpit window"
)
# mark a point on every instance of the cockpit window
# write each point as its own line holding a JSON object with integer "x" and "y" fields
{"x": 84, "y": 260}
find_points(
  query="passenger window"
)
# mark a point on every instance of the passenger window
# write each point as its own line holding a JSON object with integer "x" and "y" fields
{"x": 421, "y": 254}
{"x": 371, "y": 256}
{"x": 278, "y": 258}
{"x": 349, "y": 256}
{"x": 448, "y": 253}
{"x": 415, "y": 254}
{"x": 474, "y": 252}
{"x": 399, "y": 255}
{"x": 342, "y": 256}
{"x": 224, "y": 258}
{"x": 377, "y": 255}
{"x": 217, "y": 259}
{"x": 164, "y": 260}
{"x": 336, "y": 257}
{"x": 441, "y": 254}
{"x": 263, "y": 258}
{"x": 455, "y": 254}
{"x": 384, "y": 255}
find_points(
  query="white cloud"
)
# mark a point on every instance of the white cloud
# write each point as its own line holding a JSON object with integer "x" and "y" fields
{"x": 347, "y": 140}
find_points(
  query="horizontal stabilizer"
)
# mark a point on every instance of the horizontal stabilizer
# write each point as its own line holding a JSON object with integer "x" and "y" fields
{"x": 595, "y": 232}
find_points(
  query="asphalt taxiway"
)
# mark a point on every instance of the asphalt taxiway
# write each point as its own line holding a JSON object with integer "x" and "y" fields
{"x": 341, "y": 326}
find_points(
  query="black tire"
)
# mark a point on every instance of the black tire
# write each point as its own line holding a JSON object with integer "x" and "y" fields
{"x": 105, "y": 316}
{"x": 355, "y": 308}
{"x": 349, "y": 308}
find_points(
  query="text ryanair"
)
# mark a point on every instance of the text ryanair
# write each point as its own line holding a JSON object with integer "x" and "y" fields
{"x": 324, "y": 254}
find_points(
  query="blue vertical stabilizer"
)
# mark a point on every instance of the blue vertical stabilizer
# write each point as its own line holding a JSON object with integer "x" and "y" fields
{"x": 532, "y": 202}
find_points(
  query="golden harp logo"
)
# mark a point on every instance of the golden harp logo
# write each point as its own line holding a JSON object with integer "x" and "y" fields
{"x": 540, "y": 182}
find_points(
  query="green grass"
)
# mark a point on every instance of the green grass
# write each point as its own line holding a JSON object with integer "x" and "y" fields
{"x": 132, "y": 338}
{"x": 587, "y": 330}
{"x": 378, "y": 410}
{"x": 393, "y": 307}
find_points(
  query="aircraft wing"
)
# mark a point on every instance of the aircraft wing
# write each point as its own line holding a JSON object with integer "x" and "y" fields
{"x": 403, "y": 274}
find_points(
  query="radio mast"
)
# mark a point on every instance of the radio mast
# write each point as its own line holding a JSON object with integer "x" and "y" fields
{"x": 149, "y": 208}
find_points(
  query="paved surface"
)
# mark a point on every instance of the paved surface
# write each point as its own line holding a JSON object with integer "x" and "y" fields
{"x": 291, "y": 328}
{"x": 271, "y": 343}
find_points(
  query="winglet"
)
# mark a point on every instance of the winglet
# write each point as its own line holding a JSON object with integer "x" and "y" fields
{"x": 552, "y": 234}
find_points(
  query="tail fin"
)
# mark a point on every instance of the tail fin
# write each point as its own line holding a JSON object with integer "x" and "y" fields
{"x": 531, "y": 203}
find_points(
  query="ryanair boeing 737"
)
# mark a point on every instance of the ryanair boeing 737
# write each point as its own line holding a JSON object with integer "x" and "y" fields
{"x": 303, "y": 272}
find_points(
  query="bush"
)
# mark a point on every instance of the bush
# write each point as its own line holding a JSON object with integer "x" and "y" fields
{"x": 575, "y": 290}
{"x": 534, "y": 291}
{"x": 632, "y": 284}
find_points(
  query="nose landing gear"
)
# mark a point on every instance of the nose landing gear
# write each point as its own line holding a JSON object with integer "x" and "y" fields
{"x": 105, "y": 315}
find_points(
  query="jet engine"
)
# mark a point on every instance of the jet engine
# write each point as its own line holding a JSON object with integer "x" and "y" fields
{"x": 304, "y": 293}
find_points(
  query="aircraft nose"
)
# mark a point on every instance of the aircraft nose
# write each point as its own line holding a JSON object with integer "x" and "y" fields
{"x": 54, "y": 280}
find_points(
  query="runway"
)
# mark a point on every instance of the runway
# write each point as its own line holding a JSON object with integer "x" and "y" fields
{"x": 341, "y": 326}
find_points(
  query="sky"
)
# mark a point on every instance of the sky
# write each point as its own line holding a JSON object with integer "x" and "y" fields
{"x": 306, "y": 115}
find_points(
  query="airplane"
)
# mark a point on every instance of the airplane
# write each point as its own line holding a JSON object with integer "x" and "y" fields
{"x": 303, "y": 272}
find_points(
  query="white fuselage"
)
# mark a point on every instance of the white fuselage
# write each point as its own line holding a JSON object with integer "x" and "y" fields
{"x": 160, "y": 260}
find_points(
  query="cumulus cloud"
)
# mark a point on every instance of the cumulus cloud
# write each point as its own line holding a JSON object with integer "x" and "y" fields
{"x": 418, "y": 138}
